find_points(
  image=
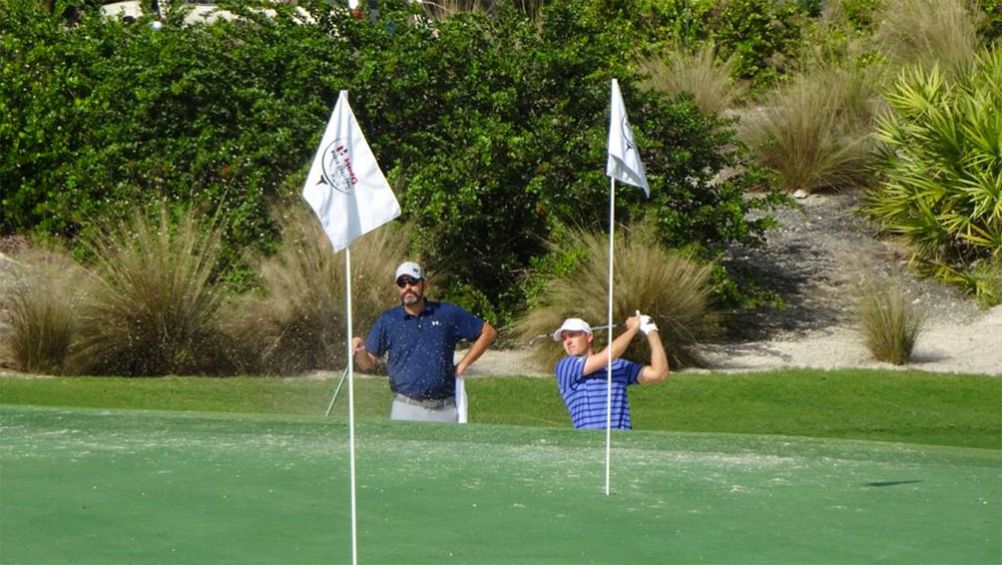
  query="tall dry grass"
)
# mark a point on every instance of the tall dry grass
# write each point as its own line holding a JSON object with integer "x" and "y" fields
{"x": 152, "y": 309}
{"x": 698, "y": 73}
{"x": 668, "y": 286}
{"x": 40, "y": 303}
{"x": 299, "y": 322}
{"x": 444, "y": 9}
{"x": 924, "y": 32}
{"x": 889, "y": 322}
{"x": 816, "y": 132}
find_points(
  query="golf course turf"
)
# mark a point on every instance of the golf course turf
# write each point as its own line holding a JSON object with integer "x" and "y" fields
{"x": 86, "y": 485}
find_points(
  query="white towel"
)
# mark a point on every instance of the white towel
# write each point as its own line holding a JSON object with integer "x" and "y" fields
{"x": 461, "y": 405}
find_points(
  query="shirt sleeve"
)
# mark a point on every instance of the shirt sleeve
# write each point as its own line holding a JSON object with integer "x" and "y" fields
{"x": 468, "y": 326}
{"x": 569, "y": 371}
{"x": 376, "y": 341}
{"x": 630, "y": 372}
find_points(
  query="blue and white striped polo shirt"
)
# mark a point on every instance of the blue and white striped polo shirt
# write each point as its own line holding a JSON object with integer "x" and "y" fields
{"x": 585, "y": 395}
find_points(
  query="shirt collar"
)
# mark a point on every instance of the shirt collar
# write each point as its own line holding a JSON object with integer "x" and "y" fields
{"x": 429, "y": 309}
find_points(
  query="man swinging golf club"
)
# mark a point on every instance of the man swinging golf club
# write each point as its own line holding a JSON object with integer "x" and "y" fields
{"x": 582, "y": 374}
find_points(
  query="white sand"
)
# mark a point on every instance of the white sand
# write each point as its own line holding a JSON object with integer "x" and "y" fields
{"x": 973, "y": 346}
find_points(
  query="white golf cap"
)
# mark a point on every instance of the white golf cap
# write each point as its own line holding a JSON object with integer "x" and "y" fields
{"x": 410, "y": 269}
{"x": 571, "y": 325}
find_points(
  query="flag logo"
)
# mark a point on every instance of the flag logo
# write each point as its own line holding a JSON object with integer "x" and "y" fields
{"x": 336, "y": 169}
{"x": 628, "y": 142}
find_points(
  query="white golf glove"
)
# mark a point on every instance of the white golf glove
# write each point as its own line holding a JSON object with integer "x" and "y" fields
{"x": 647, "y": 324}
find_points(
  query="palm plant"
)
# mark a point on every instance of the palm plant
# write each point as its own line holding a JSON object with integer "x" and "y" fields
{"x": 670, "y": 287}
{"x": 942, "y": 183}
{"x": 299, "y": 322}
{"x": 153, "y": 308}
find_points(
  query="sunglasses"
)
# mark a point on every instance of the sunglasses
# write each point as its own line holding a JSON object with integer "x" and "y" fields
{"x": 404, "y": 281}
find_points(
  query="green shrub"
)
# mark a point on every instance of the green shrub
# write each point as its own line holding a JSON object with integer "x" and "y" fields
{"x": 941, "y": 187}
{"x": 299, "y": 322}
{"x": 697, "y": 73}
{"x": 486, "y": 153}
{"x": 860, "y": 15}
{"x": 153, "y": 309}
{"x": 41, "y": 300}
{"x": 674, "y": 22}
{"x": 516, "y": 145}
{"x": 762, "y": 35}
{"x": 102, "y": 117}
{"x": 842, "y": 37}
{"x": 889, "y": 322}
{"x": 815, "y": 132}
{"x": 671, "y": 288}
{"x": 989, "y": 21}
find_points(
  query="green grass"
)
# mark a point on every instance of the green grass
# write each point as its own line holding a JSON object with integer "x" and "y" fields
{"x": 899, "y": 406}
{"x": 95, "y": 486}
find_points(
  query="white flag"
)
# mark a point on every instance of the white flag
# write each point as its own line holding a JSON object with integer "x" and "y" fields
{"x": 624, "y": 162}
{"x": 345, "y": 186}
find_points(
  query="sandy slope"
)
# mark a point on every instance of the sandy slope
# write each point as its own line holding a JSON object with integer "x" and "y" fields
{"x": 970, "y": 346}
{"x": 816, "y": 261}
{"x": 974, "y": 346}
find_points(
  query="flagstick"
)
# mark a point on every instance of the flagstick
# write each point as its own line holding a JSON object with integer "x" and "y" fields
{"x": 608, "y": 369}
{"x": 351, "y": 409}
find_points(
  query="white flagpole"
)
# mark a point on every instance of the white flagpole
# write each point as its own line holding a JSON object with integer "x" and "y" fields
{"x": 351, "y": 409}
{"x": 624, "y": 164}
{"x": 608, "y": 368}
{"x": 350, "y": 195}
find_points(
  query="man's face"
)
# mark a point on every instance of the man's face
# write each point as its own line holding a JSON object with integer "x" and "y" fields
{"x": 411, "y": 290}
{"x": 576, "y": 342}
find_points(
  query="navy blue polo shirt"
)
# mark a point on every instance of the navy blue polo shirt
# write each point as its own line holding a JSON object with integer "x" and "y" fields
{"x": 421, "y": 348}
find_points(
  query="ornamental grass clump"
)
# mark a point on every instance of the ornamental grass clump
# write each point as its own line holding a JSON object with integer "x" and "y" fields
{"x": 670, "y": 287}
{"x": 152, "y": 309}
{"x": 298, "y": 322}
{"x": 815, "y": 132}
{"x": 925, "y": 32}
{"x": 890, "y": 323}
{"x": 697, "y": 73}
{"x": 40, "y": 303}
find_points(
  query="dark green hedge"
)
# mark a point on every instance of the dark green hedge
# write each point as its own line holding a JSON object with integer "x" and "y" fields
{"x": 492, "y": 131}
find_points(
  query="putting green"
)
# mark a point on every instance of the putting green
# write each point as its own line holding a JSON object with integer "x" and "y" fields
{"x": 93, "y": 486}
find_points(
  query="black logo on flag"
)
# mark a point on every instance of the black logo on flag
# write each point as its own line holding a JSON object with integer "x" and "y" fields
{"x": 628, "y": 135}
{"x": 336, "y": 168}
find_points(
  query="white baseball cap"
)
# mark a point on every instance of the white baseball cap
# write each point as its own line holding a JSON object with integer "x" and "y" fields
{"x": 410, "y": 269}
{"x": 571, "y": 325}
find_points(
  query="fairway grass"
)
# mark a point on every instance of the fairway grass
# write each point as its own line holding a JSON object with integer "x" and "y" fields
{"x": 899, "y": 406}
{"x": 100, "y": 486}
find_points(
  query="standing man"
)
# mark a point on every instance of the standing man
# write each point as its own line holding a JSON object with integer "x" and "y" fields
{"x": 420, "y": 337}
{"x": 582, "y": 375}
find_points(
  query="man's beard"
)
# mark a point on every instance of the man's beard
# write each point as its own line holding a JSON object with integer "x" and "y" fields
{"x": 412, "y": 298}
